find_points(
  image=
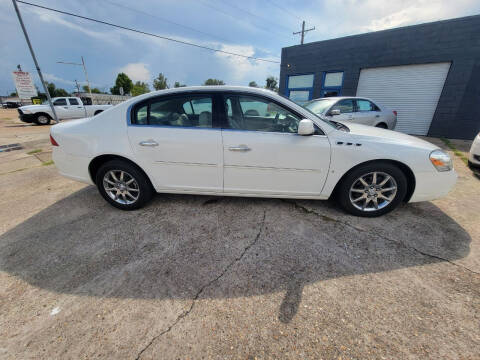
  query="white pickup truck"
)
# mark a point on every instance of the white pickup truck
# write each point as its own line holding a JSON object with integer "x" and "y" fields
{"x": 65, "y": 107}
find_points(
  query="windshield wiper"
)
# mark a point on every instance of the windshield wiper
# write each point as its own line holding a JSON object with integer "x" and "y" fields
{"x": 339, "y": 126}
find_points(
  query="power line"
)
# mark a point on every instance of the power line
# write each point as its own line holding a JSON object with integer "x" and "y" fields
{"x": 268, "y": 31}
{"x": 163, "y": 19}
{"x": 149, "y": 34}
{"x": 283, "y": 9}
{"x": 257, "y": 16}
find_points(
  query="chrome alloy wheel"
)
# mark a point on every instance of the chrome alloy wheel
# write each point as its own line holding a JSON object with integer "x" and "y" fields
{"x": 373, "y": 191}
{"x": 43, "y": 120}
{"x": 121, "y": 187}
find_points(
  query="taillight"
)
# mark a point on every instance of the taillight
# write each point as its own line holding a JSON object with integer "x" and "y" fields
{"x": 395, "y": 112}
{"x": 52, "y": 141}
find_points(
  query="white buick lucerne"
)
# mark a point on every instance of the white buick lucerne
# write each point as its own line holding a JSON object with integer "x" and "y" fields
{"x": 243, "y": 141}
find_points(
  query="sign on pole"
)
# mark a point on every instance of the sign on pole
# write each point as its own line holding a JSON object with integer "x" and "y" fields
{"x": 24, "y": 84}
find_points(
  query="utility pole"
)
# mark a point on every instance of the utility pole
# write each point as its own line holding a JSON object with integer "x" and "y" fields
{"x": 303, "y": 32}
{"x": 86, "y": 77}
{"x": 78, "y": 88}
{"x": 35, "y": 60}
{"x": 84, "y": 70}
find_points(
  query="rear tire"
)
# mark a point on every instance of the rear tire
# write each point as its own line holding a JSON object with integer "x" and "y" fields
{"x": 97, "y": 112}
{"x": 123, "y": 185}
{"x": 372, "y": 189}
{"x": 42, "y": 119}
{"x": 382, "y": 126}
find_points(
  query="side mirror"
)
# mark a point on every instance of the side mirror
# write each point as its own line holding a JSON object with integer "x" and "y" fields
{"x": 335, "y": 112}
{"x": 306, "y": 127}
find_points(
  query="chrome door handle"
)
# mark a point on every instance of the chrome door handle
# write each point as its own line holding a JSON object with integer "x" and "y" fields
{"x": 148, "y": 143}
{"x": 239, "y": 148}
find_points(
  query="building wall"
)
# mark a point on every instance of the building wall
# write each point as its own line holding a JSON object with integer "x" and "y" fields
{"x": 457, "y": 40}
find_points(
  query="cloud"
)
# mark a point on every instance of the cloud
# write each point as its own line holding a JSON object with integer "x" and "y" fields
{"x": 55, "y": 79}
{"x": 137, "y": 71}
{"x": 53, "y": 18}
{"x": 242, "y": 69}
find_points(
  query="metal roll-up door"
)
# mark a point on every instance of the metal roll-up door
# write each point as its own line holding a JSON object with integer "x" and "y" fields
{"x": 412, "y": 90}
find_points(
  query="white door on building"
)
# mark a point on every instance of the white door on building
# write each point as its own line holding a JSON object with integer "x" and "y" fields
{"x": 411, "y": 90}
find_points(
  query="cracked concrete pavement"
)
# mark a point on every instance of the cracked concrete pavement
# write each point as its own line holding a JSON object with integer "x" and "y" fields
{"x": 194, "y": 277}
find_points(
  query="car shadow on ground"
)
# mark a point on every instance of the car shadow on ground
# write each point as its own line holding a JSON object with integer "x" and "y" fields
{"x": 193, "y": 247}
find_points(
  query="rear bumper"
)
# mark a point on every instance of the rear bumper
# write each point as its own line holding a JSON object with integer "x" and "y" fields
{"x": 432, "y": 185}
{"x": 72, "y": 166}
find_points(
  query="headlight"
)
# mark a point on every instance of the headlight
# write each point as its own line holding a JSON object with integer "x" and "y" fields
{"x": 25, "y": 111}
{"x": 441, "y": 160}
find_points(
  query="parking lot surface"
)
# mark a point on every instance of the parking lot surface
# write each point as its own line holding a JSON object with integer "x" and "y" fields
{"x": 192, "y": 277}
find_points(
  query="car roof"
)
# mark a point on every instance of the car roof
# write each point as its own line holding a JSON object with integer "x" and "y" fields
{"x": 343, "y": 97}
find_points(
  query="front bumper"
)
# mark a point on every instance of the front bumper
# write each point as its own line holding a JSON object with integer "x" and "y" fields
{"x": 28, "y": 118}
{"x": 432, "y": 185}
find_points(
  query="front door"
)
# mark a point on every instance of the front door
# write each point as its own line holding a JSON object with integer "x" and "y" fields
{"x": 175, "y": 140}
{"x": 346, "y": 107}
{"x": 263, "y": 154}
{"x": 61, "y": 108}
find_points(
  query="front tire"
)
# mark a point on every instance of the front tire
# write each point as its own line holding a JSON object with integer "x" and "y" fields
{"x": 123, "y": 185}
{"x": 42, "y": 119}
{"x": 372, "y": 189}
{"x": 382, "y": 126}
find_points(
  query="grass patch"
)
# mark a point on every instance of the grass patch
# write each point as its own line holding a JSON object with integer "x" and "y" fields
{"x": 457, "y": 152}
{"x": 46, "y": 163}
{"x": 34, "y": 151}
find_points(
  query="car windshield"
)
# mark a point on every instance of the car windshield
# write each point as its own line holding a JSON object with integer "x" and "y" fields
{"x": 319, "y": 106}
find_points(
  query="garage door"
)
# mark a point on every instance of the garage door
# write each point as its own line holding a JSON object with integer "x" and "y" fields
{"x": 412, "y": 90}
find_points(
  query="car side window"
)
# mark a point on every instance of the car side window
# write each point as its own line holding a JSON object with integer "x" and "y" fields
{"x": 60, "y": 102}
{"x": 365, "y": 105}
{"x": 180, "y": 111}
{"x": 259, "y": 114}
{"x": 73, "y": 101}
{"x": 345, "y": 106}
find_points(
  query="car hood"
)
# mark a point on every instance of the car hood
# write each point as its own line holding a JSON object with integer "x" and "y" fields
{"x": 385, "y": 135}
{"x": 33, "y": 107}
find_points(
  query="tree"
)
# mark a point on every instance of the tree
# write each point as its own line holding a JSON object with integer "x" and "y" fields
{"x": 61, "y": 92}
{"x": 252, "y": 84}
{"x": 94, "y": 90}
{"x": 160, "y": 83}
{"x": 122, "y": 81}
{"x": 13, "y": 94}
{"x": 271, "y": 83}
{"x": 54, "y": 92}
{"x": 140, "y": 88}
{"x": 213, "y": 82}
{"x": 177, "y": 84}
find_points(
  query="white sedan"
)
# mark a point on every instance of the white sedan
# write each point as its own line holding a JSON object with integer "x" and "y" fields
{"x": 243, "y": 141}
{"x": 354, "y": 109}
{"x": 474, "y": 155}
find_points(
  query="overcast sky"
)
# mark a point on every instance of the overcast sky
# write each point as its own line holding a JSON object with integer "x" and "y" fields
{"x": 257, "y": 28}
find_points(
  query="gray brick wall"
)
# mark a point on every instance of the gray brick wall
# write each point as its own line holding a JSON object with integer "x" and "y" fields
{"x": 457, "y": 40}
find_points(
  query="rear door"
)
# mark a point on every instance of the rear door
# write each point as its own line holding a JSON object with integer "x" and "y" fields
{"x": 177, "y": 140}
{"x": 365, "y": 112}
{"x": 75, "y": 109}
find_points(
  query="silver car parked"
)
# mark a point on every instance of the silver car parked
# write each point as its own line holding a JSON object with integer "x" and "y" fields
{"x": 359, "y": 110}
